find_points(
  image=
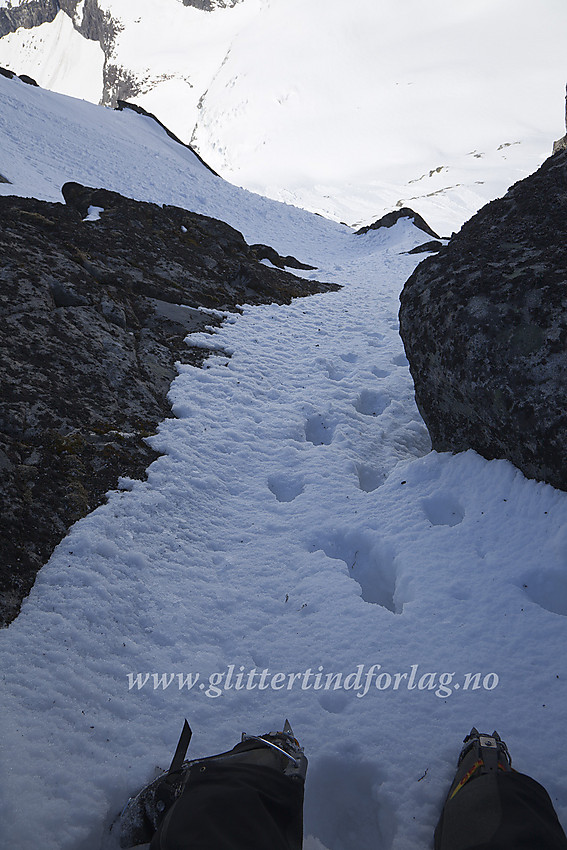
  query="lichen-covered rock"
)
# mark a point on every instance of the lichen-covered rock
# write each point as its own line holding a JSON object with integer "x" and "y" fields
{"x": 93, "y": 317}
{"x": 484, "y": 324}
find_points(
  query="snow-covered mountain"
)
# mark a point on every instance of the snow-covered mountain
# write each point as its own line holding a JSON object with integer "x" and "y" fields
{"x": 346, "y": 109}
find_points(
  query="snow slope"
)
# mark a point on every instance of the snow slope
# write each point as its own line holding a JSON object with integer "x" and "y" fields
{"x": 347, "y": 109}
{"x": 297, "y": 524}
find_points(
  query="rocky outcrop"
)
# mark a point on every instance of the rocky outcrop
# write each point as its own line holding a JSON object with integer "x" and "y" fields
{"x": 561, "y": 144}
{"x": 264, "y": 252}
{"x": 4, "y": 72}
{"x": 94, "y": 314}
{"x": 484, "y": 326}
{"x": 390, "y": 219}
{"x": 28, "y": 15}
{"x": 211, "y": 5}
{"x": 427, "y": 247}
{"x": 25, "y": 78}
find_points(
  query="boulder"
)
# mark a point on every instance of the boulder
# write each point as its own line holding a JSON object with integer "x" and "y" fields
{"x": 484, "y": 325}
{"x": 28, "y": 80}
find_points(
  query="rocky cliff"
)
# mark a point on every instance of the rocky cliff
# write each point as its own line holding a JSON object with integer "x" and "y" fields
{"x": 94, "y": 23}
{"x": 95, "y": 309}
{"x": 484, "y": 325}
{"x": 211, "y": 5}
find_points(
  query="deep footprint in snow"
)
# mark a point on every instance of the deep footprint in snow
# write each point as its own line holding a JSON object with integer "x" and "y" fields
{"x": 379, "y": 373}
{"x": 370, "y": 561}
{"x": 319, "y": 430}
{"x": 443, "y": 509}
{"x": 372, "y": 402}
{"x": 375, "y": 340}
{"x": 548, "y": 589}
{"x": 343, "y": 809}
{"x": 285, "y": 487}
{"x": 333, "y": 701}
{"x": 400, "y": 360}
{"x": 369, "y": 478}
{"x": 335, "y": 373}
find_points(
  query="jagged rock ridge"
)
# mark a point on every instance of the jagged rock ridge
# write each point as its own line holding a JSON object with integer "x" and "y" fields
{"x": 95, "y": 24}
{"x": 94, "y": 315}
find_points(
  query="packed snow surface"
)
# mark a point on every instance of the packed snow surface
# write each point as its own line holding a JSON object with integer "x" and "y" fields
{"x": 297, "y": 551}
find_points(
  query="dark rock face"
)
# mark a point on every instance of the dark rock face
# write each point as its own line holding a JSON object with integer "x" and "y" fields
{"x": 28, "y": 15}
{"x": 391, "y": 218}
{"x": 93, "y": 317}
{"x": 36, "y": 12}
{"x": 484, "y": 325}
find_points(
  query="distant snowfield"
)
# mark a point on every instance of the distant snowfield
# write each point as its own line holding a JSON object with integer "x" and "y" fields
{"x": 298, "y": 546}
{"x": 350, "y": 112}
{"x": 346, "y": 109}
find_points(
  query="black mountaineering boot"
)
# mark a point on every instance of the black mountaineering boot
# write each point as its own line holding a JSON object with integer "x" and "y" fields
{"x": 275, "y": 757}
